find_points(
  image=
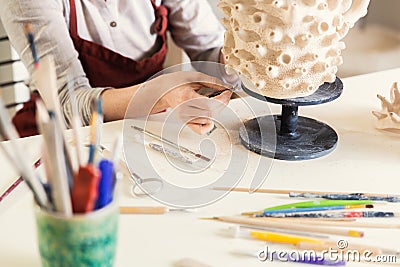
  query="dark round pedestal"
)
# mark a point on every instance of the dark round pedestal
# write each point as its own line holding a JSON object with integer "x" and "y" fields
{"x": 297, "y": 138}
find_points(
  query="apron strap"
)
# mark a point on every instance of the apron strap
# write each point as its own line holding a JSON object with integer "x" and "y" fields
{"x": 73, "y": 22}
{"x": 161, "y": 23}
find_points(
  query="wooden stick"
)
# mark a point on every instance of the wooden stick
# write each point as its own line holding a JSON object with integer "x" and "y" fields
{"x": 287, "y": 191}
{"x": 300, "y": 220}
{"x": 148, "y": 210}
{"x": 143, "y": 210}
{"x": 288, "y": 225}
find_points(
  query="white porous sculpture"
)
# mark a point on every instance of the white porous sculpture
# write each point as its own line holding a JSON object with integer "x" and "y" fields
{"x": 389, "y": 117}
{"x": 287, "y": 48}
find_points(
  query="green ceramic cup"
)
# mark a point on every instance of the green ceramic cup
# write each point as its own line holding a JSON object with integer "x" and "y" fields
{"x": 81, "y": 240}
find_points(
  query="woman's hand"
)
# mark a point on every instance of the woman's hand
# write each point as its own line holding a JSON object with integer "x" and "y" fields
{"x": 194, "y": 109}
{"x": 178, "y": 90}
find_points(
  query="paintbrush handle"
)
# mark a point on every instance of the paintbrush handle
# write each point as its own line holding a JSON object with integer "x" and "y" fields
{"x": 143, "y": 210}
{"x": 336, "y": 215}
{"x": 335, "y": 223}
{"x": 286, "y": 191}
{"x": 16, "y": 183}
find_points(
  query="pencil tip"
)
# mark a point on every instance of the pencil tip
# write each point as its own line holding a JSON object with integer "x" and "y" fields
{"x": 250, "y": 213}
{"x": 209, "y": 218}
{"x": 355, "y": 233}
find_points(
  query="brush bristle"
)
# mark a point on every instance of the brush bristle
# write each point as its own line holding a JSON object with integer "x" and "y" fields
{"x": 233, "y": 231}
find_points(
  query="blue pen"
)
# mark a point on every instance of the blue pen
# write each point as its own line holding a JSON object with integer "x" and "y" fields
{"x": 317, "y": 260}
{"x": 268, "y": 212}
{"x": 106, "y": 184}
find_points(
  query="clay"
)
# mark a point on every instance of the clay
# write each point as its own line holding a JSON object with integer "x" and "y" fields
{"x": 389, "y": 116}
{"x": 287, "y": 48}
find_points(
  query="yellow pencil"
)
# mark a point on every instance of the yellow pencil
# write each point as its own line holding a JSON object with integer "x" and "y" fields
{"x": 307, "y": 243}
{"x": 283, "y": 238}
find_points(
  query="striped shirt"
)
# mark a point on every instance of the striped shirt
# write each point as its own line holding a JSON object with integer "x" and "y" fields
{"x": 120, "y": 25}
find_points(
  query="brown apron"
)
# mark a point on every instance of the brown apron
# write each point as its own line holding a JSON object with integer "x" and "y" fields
{"x": 104, "y": 67}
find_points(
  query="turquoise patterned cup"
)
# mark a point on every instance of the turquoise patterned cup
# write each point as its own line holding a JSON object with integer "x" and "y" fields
{"x": 81, "y": 240}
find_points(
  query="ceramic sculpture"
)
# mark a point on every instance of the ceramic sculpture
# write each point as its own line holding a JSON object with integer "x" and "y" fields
{"x": 389, "y": 117}
{"x": 287, "y": 48}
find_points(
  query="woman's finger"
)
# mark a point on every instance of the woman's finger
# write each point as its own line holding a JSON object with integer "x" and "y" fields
{"x": 200, "y": 121}
{"x": 201, "y": 128}
{"x": 224, "y": 97}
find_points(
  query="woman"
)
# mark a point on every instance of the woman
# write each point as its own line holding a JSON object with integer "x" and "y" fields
{"x": 110, "y": 47}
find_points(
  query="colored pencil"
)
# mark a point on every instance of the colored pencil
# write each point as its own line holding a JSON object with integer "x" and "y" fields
{"x": 273, "y": 236}
{"x": 283, "y": 231}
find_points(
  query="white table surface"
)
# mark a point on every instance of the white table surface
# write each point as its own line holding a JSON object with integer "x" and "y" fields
{"x": 365, "y": 160}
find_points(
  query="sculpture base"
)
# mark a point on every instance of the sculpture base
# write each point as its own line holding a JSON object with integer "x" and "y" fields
{"x": 313, "y": 139}
{"x": 297, "y": 138}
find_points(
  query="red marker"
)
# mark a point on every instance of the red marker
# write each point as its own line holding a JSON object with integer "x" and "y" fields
{"x": 85, "y": 189}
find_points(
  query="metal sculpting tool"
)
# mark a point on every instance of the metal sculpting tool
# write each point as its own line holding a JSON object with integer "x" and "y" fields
{"x": 167, "y": 152}
{"x": 166, "y": 141}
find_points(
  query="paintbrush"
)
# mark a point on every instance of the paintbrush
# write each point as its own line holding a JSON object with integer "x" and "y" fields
{"x": 16, "y": 183}
{"x": 337, "y": 215}
{"x": 31, "y": 40}
{"x": 293, "y": 193}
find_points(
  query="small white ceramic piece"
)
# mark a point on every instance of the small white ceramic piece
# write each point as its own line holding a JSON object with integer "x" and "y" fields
{"x": 287, "y": 48}
{"x": 389, "y": 116}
